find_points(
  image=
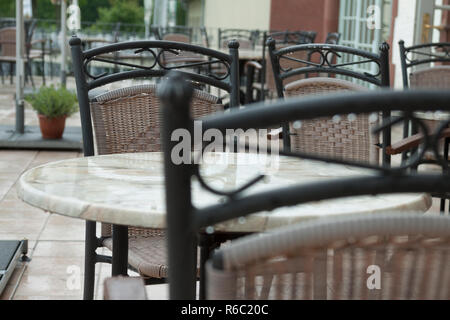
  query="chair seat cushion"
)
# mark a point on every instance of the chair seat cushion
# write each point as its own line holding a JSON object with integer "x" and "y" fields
{"x": 147, "y": 254}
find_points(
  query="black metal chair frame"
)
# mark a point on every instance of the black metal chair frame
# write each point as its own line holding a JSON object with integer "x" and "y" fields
{"x": 333, "y": 38}
{"x": 182, "y": 228}
{"x": 281, "y": 37}
{"x": 85, "y": 82}
{"x": 422, "y": 58}
{"x": 327, "y": 64}
{"x": 204, "y": 36}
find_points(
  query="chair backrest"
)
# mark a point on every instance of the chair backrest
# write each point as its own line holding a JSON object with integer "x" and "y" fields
{"x": 8, "y": 42}
{"x": 183, "y": 228}
{"x": 321, "y": 60}
{"x": 8, "y": 39}
{"x": 126, "y": 120}
{"x": 333, "y": 38}
{"x": 383, "y": 256}
{"x": 431, "y": 78}
{"x": 345, "y": 139}
{"x": 283, "y": 39}
{"x": 416, "y": 69}
{"x": 176, "y": 33}
{"x": 245, "y": 37}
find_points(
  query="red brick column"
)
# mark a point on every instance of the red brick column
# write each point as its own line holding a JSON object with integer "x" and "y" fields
{"x": 321, "y": 16}
{"x": 331, "y": 17}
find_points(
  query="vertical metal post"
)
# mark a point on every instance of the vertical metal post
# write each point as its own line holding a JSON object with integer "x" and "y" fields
{"x": 233, "y": 46}
{"x": 405, "y": 86}
{"x": 249, "y": 84}
{"x": 403, "y": 63}
{"x": 279, "y": 84}
{"x": 89, "y": 260}
{"x": 20, "y": 45}
{"x": 82, "y": 94}
{"x": 176, "y": 95}
{"x": 63, "y": 42}
{"x": 88, "y": 148}
{"x": 385, "y": 82}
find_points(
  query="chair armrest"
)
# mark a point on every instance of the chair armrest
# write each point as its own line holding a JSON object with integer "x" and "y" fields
{"x": 124, "y": 288}
{"x": 411, "y": 142}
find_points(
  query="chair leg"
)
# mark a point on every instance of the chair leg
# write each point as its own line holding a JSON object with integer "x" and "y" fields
{"x": 442, "y": 209}
{"x": 120, "y": 250}
{"x": 43, "y": 70}
{"x": 89, "y": 260}
{"x": 11, "y": 73}
{"x": 206, "y": 244}
{"x": 29, "y": 72}
{"x": 1, "y": 72}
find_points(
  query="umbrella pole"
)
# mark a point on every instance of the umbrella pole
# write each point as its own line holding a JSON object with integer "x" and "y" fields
{"x": 20, "y": 116}
{"x": 63, "y": 42}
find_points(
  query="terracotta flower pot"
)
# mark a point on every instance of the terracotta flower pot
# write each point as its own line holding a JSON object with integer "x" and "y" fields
{"x": 52, "y": 128}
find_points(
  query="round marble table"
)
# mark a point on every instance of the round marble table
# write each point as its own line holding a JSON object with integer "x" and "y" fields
{"x": 128, "y": 189}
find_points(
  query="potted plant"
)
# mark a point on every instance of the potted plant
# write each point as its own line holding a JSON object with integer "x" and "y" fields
{"x": 53, "y": 106}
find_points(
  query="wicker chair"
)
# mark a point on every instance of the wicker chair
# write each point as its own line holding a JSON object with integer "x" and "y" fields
{"x": 347, "y": 139}
{"x": 417, "y": 74}
{"x": 385, "y": 256}
{"x": 8, "y": 51}
{"x": 128, "y": 120}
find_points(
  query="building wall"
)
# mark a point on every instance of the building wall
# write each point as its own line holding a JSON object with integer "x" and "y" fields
{"x": 403, "y": 30}
{"x": 195, "y": 13}
{"x": 242, "y": 14}
{"x": 321, "y": 16}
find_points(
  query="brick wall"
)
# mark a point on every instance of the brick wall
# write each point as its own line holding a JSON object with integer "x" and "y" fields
{"x": 321, "y": 16}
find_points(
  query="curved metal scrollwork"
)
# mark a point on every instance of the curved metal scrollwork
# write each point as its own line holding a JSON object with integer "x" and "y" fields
{"x": 326, "y": 64}
{"x": 427, "y": 53}
{"x": 185, "y": 60}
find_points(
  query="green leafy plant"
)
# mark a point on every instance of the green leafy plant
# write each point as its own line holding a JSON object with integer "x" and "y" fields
{"x": 52, "y": 102}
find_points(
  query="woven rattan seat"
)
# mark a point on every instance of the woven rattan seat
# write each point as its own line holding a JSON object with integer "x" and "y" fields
{"x": 342, "y": 139}
{"x": 128, "y": 120}
{"x": 333, "y": 258}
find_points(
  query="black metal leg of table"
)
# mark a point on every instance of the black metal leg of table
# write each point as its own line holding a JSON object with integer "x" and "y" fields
{"x": 89, "y": 260}
{"x": 119, "y": 250}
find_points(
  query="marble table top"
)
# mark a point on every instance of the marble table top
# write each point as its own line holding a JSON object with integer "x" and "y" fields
{"x": 129, "y": 189}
